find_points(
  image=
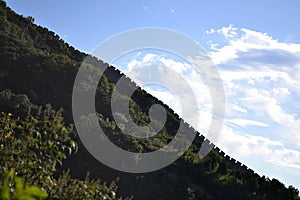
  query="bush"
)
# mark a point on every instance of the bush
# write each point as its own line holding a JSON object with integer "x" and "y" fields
{"x": 12, "y": 187}
{"x": 30, "y": 150}
{"x": 33, "y": 146}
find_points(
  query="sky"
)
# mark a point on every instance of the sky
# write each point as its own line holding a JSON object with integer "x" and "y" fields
{"x": 255, "y": 46}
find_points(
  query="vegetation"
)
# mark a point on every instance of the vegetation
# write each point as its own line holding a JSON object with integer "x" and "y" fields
{"x": 32, "y": 148}
{"x": 42, "y": 157}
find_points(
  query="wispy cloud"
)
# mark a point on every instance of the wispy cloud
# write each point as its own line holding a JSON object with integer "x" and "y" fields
{"x": 261, "y": 76}
{"x": 245, "y": 122}
{"x": 184, "y": 90}
{"x": 246, "y": 147}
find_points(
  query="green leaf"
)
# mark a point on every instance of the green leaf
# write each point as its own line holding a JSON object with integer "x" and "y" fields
{"x": 73, "y": 144}
{"x": 8, "y": 175}
{"x": 35, "y": 192}
{"x": 24, "y": 192}
{"x": 4, "y": 192}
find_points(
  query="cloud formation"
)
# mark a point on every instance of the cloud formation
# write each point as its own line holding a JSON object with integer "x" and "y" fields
{"x": 261, "y": 76}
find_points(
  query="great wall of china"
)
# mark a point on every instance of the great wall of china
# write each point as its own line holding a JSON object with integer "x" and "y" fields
{"x": 115, "y": 74}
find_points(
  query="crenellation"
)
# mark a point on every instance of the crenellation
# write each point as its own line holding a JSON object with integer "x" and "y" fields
{"x": 233, "y": 163}
{"x": 194, "y": 130}
{"x": 211, "y": 144}
{"x": 175, "y": 114}
{"x": 201, "y": 137}
{"x": 244, "y": 167}
{"x": 222, "y": 153}
{"x": 227, "y": 157}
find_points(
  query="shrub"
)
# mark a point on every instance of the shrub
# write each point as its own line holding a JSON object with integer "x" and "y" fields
{"x": 30, "y": 150}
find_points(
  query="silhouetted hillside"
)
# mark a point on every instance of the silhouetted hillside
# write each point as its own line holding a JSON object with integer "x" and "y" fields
{"x": 37, "y": 68}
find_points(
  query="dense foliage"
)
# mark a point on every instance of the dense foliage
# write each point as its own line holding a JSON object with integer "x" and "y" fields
{"x": 37, "y": 69}
{"x": 31, "y": 149}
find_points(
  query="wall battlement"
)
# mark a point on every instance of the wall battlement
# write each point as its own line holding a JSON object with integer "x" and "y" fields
{"x": 199, "y": 138}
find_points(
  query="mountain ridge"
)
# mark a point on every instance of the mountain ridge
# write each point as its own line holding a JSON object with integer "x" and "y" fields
{"x": 46, "y": 66}
{"x": 230, "y": 160}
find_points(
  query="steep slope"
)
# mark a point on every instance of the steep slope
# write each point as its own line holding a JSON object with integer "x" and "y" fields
{"x": 36, "y": 62}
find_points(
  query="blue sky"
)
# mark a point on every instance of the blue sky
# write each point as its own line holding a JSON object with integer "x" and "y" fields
{"x": 86, "y": 23}
{"x": 255, "y": 46}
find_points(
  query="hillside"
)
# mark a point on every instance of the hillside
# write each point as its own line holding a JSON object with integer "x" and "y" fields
{"x": 38, "y": 68}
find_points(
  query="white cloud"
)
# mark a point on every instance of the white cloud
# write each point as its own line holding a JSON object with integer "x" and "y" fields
{"x": 245, "y": 122}
{"x": 262, "y": 102}
{"x": 228, "y": 32}
{"x": 244, "y": 40}
{"x": 181, "y": 83}
{"x": 177, "y": 66}
{"x": 286, "y": 157}
{"x": 148, "y": 57}
{"x": 238, "y": 108}
{"x": 132, "y": 64}
{"x": 210, "y": 31}
{"x": 240, "y": 145}
{"x": 168, "y": 98}
{"x": 243, "y": 147}
{"x": 261, "y": 75}
{"x": 280, "y": 91}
